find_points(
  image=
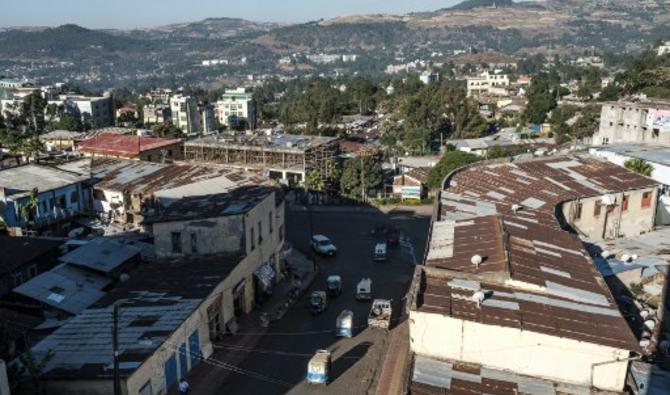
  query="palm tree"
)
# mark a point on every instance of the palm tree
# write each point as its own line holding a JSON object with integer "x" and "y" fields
{"x": 639, "y": 166}
{"x": 29, "y": 210}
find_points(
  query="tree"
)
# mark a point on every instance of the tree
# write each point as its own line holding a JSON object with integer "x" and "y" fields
{"x": 70, "y": 122}
{"x": 31, "y": 147}
{"x": 540, "y": 98}
{"x": 32, "y": 368}
{"x": 449, "y": 162}
{"x": 361, "y": 174}
{"x": 610, "y": 93}
{"x": 639, "y": 166}
{"x": 32, "y": 111}
{"x": 29, "y": 210}
{"x": 325, "y": 180}
{"x": 166, "y": 130}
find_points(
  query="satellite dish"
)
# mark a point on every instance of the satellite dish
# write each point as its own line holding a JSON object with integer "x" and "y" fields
{"x": 516, "y": 208}
{"x": 608, "y": 200}
{"x": 478, "y": 297}
{"x": 476, "y": 260}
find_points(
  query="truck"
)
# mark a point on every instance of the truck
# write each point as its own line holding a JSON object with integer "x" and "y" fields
{"x": 380, "y": 314}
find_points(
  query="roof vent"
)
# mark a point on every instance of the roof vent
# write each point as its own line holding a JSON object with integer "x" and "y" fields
{"x": 516, "y": 208}
{"x": 476, "y": 260}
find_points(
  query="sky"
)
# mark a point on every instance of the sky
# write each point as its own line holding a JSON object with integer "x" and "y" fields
{"x": 148, "y": 13}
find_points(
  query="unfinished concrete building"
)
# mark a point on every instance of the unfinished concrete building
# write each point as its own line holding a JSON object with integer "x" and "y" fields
{"x": 280, "y": 156}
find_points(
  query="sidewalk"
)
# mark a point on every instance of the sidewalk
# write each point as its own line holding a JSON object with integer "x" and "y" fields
{"x": 392, "y": 380}
{"x": 205, "y": 378}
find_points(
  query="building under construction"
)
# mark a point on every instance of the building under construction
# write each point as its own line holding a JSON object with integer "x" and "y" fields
{"x": 280, "y": 156}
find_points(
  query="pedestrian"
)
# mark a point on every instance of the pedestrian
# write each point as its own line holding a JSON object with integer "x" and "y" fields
{"x": 183, "y": 386}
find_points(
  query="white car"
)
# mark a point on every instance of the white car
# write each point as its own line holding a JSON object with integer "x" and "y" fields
{"x": 322, "y": 245}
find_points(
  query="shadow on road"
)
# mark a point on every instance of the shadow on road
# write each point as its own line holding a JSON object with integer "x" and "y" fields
{"x": 349, "y": 359}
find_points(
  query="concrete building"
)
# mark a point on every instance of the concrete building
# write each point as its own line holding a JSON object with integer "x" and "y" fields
{"x": 508, "y": 294}
{"x": 61, "y": 197}
{"x": 285, "y": 157}
{"x": 235, "y": 106}
{"x": 185, "y": 114}
{"x": 61, "y": 140}
{"x": 429, "y": 78}
{"x": 488, "y": 83}
{"x": 641, "y": 121}
{"x": 95, "y": 112}
{"x": 121, "y": 146}
{"x": 154, "y": 114}
{"x": 207, "y": 118}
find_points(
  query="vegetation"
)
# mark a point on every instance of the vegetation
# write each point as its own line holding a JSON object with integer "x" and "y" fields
{"x": 639, "y": 166}
{"x": 360, "y": 176}
{"x": 541, "y": 97}
{"x": 449, "y": 162}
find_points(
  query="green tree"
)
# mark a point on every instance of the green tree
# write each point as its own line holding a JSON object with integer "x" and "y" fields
{"x": 361, "y": 174}
{"x": 29, "y": 210}
{"x": 70, "y": 122}
{"x": 449, "y": 162}
{"x": 32, "y": 111}
{"x": 541, "y": 98}
{"x": 639, "y": 166}
{"x": 610, "y": 93}
{"x": 32, "y": 146}
{"x": 166, "y": 130}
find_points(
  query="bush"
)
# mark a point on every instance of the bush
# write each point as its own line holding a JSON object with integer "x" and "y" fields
{"x": 449, "y": 162}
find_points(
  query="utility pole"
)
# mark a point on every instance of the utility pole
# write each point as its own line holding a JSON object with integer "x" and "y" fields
{"x": 115, "y": 349}
{"x": 362, "y": 176}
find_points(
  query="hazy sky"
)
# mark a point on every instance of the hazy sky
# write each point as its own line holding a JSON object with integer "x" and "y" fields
{"x": 140, "y": 13}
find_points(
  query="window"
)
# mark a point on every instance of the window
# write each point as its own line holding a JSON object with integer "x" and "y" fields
{"x": 281, "y": 233}
{"x": 624, "y": 203}
{"x": 270, "y": 225}
{"x": 74, "y": 197}
{"x": 260, "y": 232}
{"x": 646, "y": 199}
{"x": 578, "y": 211}
{"x": 251, "y": 237}
{"x": 176, "y": 242}
{"x": 18, "y": 279}
{"x": 596, "y": 209}
{"x": 148, "y": 158}
{"x": 32, "y": 271}
{"x": 194, "y": 243}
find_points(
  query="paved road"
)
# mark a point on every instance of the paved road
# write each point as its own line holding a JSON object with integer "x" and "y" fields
{"x": 282, "y": 353}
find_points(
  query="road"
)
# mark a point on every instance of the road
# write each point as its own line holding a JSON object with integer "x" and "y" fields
{"x": 281, "y": 354}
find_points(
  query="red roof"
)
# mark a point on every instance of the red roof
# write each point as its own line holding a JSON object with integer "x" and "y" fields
{"x": 124, "y": 145}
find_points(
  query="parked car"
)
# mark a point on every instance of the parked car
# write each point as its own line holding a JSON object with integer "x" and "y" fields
{"x": 344, "y": 324}
{"x": 317, "y": 302}
{"x": 322, "y": 245}
{"x": 334, "y": 285}
{"x": 318, "y": 367}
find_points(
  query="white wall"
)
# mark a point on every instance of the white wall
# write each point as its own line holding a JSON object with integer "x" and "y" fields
{"x": 661, "y": 172}
{"x": 517, "y": 350}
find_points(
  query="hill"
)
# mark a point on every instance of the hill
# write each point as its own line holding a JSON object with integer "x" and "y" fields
{"x": 471, "y": 4}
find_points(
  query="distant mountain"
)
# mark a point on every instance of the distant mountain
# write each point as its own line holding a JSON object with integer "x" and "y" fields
{"x": 211, "y": 28}
{"x": 471, "y": 4}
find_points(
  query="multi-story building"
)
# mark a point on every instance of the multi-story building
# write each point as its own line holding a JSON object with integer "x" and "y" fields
{"x": 185, "y": 114}
{"x": 236, "y": 106}
{"x": 508, "y": 296}
{"x": 280, "y": 156}
{"x": 95, "y": 112}
{"x": 488, "y": 83}
{"x": 154, "y": 114}
{"x": 640, "y": 121}
{"x": 207, "y": 119}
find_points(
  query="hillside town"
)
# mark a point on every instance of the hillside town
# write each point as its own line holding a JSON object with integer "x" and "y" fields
{"x": 461, "y": 221}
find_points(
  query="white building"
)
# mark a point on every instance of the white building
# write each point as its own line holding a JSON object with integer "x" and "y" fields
{"x": 488, "y": 83}
{"x": 235, "y": 106}
{"x": 94, "y": 111}
{"x": 185, "y": 114}
{"x": 663, "y": 49}
{"x": 641, "y": 121}
{"x": 429, "y": 78}
{"x": 207, "y": 118}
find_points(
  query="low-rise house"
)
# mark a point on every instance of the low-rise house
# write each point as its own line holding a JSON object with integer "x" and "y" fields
{"x": 23, "y": 258}
{"x": 493, "y": 84}
{"x": 169, "y": 314}
{"x": 60, "y": 197}
{"x": 506, "y": 287}
{"x": 120, "y": 146}
{"x": 61, "y": 140}
{"x": 411, "y": 184}
{"x": 156, "y": 114}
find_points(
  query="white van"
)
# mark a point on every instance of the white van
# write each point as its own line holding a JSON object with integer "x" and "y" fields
{"x": 364, "y": 289}
{"x": 380, "y": 252}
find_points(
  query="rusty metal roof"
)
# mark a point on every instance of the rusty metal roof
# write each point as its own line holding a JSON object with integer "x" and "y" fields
{"x": 537, "y": 276}
{"x": 124, "y": 145}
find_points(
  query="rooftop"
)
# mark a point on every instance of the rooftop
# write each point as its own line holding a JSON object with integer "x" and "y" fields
{"x": 540, "y": 276}
{"x": 20, "y": 181}
{"x": 641, "y": 103}
{"x": 66, "y": 288}
{"x": 650, "y": 153}
{"x": 154, "y": 303}
{"x": 279, "y": 142}
{"x": 62, "y": 135}
{"x": 102, "y": 254}
{"x": 24, "y": 250}
{"x": 124, "y": 145}
{"x": 237, "y": 201}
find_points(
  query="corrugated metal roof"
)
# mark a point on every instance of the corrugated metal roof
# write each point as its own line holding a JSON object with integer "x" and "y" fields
{"x": 102, "y": 254}
{"x": 124, "y": 145}
{"x": 20, "y": 181}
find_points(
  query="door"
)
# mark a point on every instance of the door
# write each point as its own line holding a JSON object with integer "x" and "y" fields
{"x": 170, "y": 368}
{"x": 183, "y": 364}
{"x": 194, "y": 347}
